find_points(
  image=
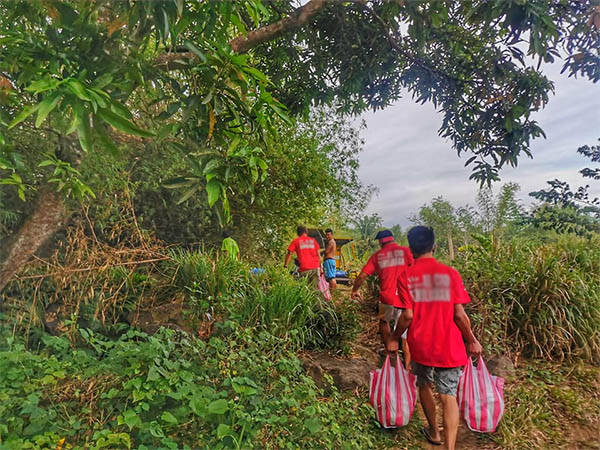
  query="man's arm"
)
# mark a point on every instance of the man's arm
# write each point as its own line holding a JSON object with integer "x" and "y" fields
{"x": 357, "y": 283}
{"x": 288, "y": 257}
{"x": 464, "y": 325}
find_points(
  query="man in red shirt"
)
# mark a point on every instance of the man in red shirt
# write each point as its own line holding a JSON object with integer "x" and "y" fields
{"x": 433, "y": 296}
{"x": 307, "y": 251}
{"x": 387, "y": 263}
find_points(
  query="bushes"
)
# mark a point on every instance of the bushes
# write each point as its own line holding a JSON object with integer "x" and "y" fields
{"x": 172, "y": 391}
{"x": 539, "y": 298}
{"x": 273, "y": 300}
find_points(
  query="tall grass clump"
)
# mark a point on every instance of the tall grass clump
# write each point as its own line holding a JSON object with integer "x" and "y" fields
{"x": 209, "y": 274}
{"x": 542, "y": 299}
{"x": 271, "y": 300}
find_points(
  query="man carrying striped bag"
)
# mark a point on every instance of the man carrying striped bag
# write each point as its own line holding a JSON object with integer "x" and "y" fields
{"x": 433, "y": 295}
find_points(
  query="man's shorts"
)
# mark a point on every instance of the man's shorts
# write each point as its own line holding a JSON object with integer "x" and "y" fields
{"x": 313, "y": 277}
{"x": 329, "y": 269}
{"x": 445, "y": 378}
{"x": 391, "y": 314}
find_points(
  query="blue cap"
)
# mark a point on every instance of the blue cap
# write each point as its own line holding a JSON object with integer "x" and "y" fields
{"x": 383, "y": 234}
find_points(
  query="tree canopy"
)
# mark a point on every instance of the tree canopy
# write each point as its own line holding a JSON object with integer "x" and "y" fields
{"x": 219, "y": 81}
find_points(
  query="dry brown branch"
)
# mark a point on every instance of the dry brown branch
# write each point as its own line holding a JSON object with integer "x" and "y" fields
{"x": 85, "y": 269}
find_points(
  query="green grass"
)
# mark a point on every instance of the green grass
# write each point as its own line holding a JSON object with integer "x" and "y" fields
{"x": 542, "y": 299}
{"x": 274, "y": 301}
{"x": 551, "y": 407}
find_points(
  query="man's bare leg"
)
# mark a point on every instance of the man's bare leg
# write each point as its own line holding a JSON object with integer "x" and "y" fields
{"x": 450, "y": 408}
{"x": 332, "y": 283}
{"x": 387, "y": 335}
{"x": 428, "y": 404}
{"x": 406, "y": 352}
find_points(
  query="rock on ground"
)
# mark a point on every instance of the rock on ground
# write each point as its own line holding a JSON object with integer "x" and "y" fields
{"x": 347, "y": 373}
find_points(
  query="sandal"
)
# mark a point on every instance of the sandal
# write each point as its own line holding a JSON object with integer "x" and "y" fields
{"x": 425, "y": 432}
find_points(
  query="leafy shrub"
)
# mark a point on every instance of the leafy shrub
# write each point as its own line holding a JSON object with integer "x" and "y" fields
{"x": 170, "y": 390}
{"x": 539, "y": 298}
{"x": 273, "y": 300}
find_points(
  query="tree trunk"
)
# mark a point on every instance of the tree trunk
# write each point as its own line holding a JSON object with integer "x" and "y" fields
{"x": 48, "y": 216}
{"x": 450, "y": 245}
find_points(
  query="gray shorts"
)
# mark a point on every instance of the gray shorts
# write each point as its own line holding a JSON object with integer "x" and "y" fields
{"x": 445, "y": 378}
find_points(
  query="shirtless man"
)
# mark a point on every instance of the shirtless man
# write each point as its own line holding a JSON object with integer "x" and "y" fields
{"x": 329, "y": 259}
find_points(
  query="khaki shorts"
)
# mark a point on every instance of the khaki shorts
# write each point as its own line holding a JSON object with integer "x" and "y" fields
{"x": 313, "y": 276}
{"x": 390, "y": 314}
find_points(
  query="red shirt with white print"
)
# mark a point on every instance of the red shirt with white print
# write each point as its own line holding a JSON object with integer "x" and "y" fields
{"x": 433, "y": 290}
{"x": 307, "y": 250}
{"x": 388, "y": 263}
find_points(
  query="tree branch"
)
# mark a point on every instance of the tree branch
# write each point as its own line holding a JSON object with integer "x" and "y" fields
{"x": 241, "y": 44}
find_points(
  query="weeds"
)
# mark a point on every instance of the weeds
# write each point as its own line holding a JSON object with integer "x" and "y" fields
{"x": 541, "y": 299}
{"x": 547, "y": 404}
{"x": 173, "y": 391}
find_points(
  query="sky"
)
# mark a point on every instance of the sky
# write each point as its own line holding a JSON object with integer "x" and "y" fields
{"x": 410, "y": 164}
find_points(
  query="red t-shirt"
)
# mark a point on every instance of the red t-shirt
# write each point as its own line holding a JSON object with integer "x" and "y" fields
{"x": 387, "y": 263}
{"x": 433, "y": 290}
{"x": 307, "y": 250}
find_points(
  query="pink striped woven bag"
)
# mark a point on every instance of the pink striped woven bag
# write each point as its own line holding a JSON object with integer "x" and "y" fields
{"x": 480, "y": 397}
{"x": 393, "y": 394}
{"x": 324, "y": 287}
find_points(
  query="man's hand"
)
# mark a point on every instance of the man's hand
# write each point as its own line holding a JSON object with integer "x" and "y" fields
{"x": 474, "y": 348}
{"x": 356, "y": 295}
{"x": 391, "y": 345}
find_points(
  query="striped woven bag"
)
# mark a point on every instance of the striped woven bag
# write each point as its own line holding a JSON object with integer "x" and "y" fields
{"x": 480, "y": 397}
{"x": 393, "y": 394}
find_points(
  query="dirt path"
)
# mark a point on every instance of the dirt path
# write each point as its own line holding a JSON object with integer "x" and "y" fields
{"x": 369, "y": 337}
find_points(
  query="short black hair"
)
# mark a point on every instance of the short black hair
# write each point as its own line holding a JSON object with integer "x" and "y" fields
{"x": 420, "y": 240}
{"x": 227, "y": 232}
{"x": 383, "y": 234}
{"x": 301, "y": 230}
{"x": 328, "y": 230}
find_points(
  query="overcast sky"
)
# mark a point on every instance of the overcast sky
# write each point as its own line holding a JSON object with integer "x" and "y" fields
{"x": 410, "y": 164}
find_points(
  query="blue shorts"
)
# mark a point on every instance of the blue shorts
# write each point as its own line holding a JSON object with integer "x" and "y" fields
{"x": 329, "y": 268}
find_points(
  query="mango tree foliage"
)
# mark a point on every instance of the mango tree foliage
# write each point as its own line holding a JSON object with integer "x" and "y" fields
{"x": 75, "y": 66}
{"x": 478, "y": 62}
{"x": 89, "y": 69}
{"x": 218, "y": 79}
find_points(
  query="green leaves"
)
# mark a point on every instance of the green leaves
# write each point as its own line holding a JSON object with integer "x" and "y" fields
{"x": 84, "y": 131}
{"x": 196, "y": 51}
{"x": 219, "y": 406}
{"x": 131, "y": 419}
{"x": 46, "y": 106}
{"x": 122, "y": 124}
{"x": 15, "y": 180}
{"x": 67, "y": 180}
{"x": 86, "y": 104}
{"x": 24, "y": 114}
{"x": 213, "y": 190}
{"x": 169, "y": 418}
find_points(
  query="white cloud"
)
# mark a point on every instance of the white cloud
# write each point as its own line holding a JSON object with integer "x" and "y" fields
{"x": 410, "y": 164}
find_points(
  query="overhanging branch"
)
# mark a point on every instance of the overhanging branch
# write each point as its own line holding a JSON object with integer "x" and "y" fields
{"x": 241, "y": 44}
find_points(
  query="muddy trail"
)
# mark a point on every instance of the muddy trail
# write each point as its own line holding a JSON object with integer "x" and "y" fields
{"x": 369, "y": 337}
{"x": 576, "y": 436}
